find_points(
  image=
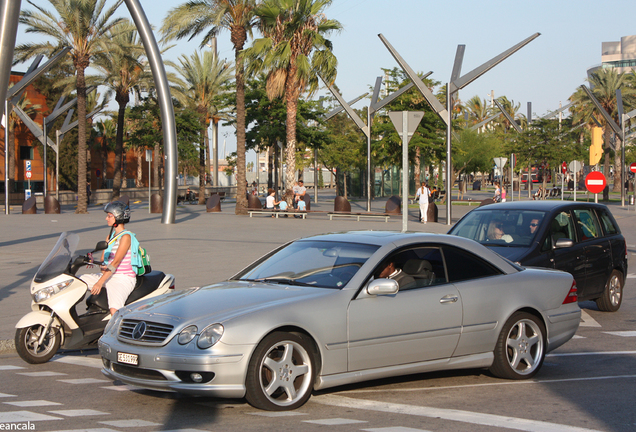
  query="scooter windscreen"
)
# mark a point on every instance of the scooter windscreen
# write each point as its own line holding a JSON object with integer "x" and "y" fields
{"x": 59, "y": 258}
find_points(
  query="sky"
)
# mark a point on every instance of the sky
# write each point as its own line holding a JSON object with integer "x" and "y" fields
{"x": 426, "y": 34}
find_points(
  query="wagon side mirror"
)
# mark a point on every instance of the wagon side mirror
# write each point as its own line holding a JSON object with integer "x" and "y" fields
{"x": 382, "y": 287}
{"x": 563, "y": 243}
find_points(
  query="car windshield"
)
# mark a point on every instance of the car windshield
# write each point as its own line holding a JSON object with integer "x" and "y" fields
{"x": 506, "y": 228}
{"x": 310, "y": 263}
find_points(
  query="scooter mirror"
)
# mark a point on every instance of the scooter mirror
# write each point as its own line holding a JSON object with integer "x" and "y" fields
{"x": 100, "y": 246}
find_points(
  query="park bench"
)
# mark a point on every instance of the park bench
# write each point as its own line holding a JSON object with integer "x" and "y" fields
{"x": 358, "y": 215}
{"x": 276, "y": 213}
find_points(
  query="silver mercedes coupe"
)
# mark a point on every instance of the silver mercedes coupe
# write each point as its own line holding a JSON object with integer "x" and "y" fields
{"x": 341, "y": 308}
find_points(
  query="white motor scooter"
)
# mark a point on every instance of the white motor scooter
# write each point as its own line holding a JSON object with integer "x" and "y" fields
{"x": 56, "y": 291}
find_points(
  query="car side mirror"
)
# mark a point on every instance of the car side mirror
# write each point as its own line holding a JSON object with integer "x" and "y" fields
{"x": 100, "y": 246}
{"x": 563, "y": 243}
{"x": 382, "y": 287}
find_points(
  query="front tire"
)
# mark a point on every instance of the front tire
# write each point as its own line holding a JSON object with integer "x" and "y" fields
{"x": 281, "y": 372}
{"x": 520, "y": 348}
{"x": 26, "y": 343}
{"x": 612, "y": 296}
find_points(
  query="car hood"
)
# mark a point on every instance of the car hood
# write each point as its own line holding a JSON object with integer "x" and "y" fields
{"x": 223, "y": 301}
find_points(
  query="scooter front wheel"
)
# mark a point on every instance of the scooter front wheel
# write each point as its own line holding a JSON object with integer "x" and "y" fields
{"x": 28, "y": 346}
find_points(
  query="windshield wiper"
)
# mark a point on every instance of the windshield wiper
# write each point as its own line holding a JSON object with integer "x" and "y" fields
{"x": 283, "y": 281}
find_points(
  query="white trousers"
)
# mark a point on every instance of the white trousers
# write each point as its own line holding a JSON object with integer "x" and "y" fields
{"x": 424, "y": 208}
{"x": 118, "y": 287}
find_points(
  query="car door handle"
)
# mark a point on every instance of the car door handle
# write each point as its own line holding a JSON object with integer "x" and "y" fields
{"x": 448, "y": 299}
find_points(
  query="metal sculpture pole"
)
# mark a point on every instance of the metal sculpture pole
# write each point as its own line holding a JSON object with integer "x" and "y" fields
{"x": 165, "y": 105}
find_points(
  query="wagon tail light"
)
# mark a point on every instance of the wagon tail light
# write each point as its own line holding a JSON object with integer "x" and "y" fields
{"x": 572, "y": 296}
{"x": 171, "y": 285}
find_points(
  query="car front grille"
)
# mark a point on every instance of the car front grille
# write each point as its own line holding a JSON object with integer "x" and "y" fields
{"x": 153, "y": 332}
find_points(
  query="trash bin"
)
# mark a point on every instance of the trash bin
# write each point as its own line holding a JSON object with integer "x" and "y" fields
{"x": 476, "y": 185}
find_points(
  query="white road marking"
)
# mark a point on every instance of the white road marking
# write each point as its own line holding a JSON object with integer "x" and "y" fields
{"x": 130, "y": 423}
{"x": 334, "y": 421}
{"x": 587, "y": 320}
{"x": 10, "y": 367}
{"x": 40, "y": 374}
{"x": 395, "y": 429}
{"x": 631, "y": 275}
{"x": 277, "y": 414}
{"x": 578, "y": 337}
{"x": 185, "y": 430}
{"x": 89, "y": 430}
{"x": 592, "y": 353}
{"x": 32, "y": 403}
{"x": 79, "y": 412}
{"x": 6, "y": 395}
{"x": 448, "y": 414}
{"x": 79, "y": 361}
{"x": 24, "y": 416}
{"x": 121, "y": 388}
{"x": 622, "y": 333}
{"x": 84, "y": 381}
{"x": 490, "y": 384}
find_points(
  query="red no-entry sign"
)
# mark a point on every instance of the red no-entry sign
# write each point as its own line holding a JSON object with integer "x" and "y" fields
{"x": 632, "y": 167}
{"x": 595, "y": 182}
{"x": 564, "y": 167}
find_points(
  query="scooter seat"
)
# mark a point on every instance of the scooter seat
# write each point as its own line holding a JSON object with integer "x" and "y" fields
{"x": 145, "y": 285}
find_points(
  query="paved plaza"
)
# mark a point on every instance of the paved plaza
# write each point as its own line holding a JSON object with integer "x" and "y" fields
{"x": 199, "y": 248}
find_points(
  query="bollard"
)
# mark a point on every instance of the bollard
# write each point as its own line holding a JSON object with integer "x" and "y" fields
{"x": 51, "y": 205}
{"x": 213, "y": 204}
{"x": 29, "y": 207}
{"x": 156, "y": 203}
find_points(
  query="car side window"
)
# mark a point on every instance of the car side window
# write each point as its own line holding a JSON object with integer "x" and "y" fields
{"x": 562, "y": 226}
{"x": 415, "y": 267}
{"x": 608, "y": 223}
{"x": 588, "y": 224}
{"x": 463, "y": 265}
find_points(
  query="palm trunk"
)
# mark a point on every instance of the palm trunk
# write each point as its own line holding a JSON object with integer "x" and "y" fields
{"x": 139, "y": 170}
{"x": 239, "y": 37}
{"x": 104, "y": 161}
{"x": 202, "y": 167}
{"x": 81, "y": 136}
{"x": 291, "y": 98}
{"x": 9, "y": 140}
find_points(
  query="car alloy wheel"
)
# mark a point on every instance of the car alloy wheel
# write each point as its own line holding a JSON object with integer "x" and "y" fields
{"x": 281, "y": 372}
{"x": 520, "y": 348}
{"x": 612, "y": 296}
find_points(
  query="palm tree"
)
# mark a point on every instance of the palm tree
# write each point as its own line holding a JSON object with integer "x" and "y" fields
{"x": 478, "y": 110}
{"x": 236, "y": 16}
{"x": 107, "y": 130}
{"x": 80, "y": 25}
{"x": 604, "y": 83}
{"x": 121, "y": 64}
{"x": 513, "y": 110}
{"x": 202, "y": 83}
{"x": 294, "y": 51}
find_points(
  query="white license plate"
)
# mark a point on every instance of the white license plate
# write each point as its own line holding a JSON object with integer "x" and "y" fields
{"x": 126, "y": 358}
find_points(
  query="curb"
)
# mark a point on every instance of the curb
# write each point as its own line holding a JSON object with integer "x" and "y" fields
{"x": 7, "y": 346}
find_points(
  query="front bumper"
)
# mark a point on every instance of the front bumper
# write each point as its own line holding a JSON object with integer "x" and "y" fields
{"x": 170, "y": 368}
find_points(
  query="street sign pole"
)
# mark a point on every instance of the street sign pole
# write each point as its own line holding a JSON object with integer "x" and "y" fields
{"x": 149, "y": 159}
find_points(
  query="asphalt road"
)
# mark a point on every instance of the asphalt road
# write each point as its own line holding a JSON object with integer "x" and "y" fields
{"x": 588, "y": 384}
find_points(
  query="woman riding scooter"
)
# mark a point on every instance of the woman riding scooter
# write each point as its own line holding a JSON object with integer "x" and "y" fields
{"x": 117, "y": 273}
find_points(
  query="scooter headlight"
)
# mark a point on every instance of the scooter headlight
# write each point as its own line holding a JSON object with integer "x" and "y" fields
{"x": 210, "y": 335}
{"x": 49, "y": 291}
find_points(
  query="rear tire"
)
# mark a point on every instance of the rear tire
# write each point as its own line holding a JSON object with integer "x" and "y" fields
{"x": 26, "y": 343}
{"x": 281, "y": 372}
{"x": 612, "y": 296}
{"x": 520, "y": 349}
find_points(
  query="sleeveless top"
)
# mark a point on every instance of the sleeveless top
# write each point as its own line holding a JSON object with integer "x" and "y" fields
{"x": 125, "y": 266}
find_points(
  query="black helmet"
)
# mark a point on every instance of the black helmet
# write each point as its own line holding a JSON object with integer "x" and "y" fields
{"x": 119, "y": 210}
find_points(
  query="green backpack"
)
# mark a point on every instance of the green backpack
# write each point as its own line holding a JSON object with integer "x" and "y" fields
{"x": 139, "y": 258}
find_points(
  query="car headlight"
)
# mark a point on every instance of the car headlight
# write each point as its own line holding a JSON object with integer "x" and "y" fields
{"x": 113, "y": 322}
{"x": 210, "y": 335}
{"x": 49, "y": 291}
{"x": 187, "y": 334}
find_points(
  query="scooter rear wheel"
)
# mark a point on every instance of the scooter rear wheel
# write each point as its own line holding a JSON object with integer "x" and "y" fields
{"x": 26, "y": 343}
